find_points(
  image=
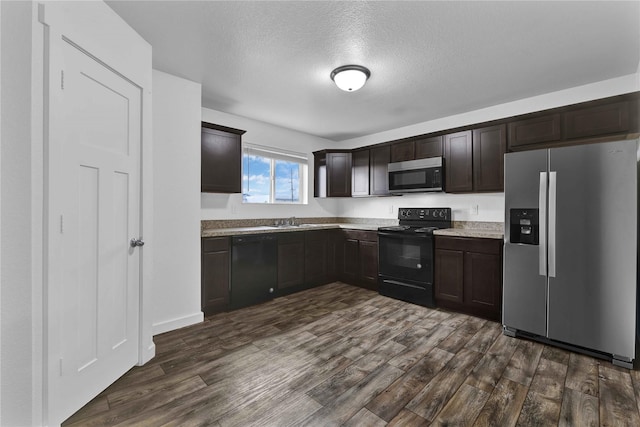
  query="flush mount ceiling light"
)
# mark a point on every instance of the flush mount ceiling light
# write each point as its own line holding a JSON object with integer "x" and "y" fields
{"x": 350, "y": 77}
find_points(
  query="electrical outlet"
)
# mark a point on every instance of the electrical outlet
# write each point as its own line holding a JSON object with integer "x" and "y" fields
{"x": 390, "y": 209}
{"x": 234, "y": 208}
{"x": 474, "y": 210}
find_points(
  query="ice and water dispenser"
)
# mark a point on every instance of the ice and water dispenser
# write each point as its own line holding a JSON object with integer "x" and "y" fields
{"x": 524, "y": 226}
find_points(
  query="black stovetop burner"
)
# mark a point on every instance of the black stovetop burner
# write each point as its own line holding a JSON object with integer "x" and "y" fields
{"x": 420, "y": 220}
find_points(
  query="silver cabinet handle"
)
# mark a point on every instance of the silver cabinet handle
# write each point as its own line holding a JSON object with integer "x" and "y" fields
{"x": 136, "y": 242}
{"x": 552, "y": 223}
{"x": 542, "y": 217}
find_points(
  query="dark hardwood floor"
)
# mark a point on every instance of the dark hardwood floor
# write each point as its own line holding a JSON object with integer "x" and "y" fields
{"x": 341, "y": 355}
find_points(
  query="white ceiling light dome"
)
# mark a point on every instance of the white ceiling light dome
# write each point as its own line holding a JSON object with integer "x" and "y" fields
{"x": 350, "y": 77}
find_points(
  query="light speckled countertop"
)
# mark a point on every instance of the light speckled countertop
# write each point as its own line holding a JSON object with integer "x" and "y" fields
{"x": 235, "y": 231}
{"x": 482, "y": 230}
{"x": 211, "y": 228}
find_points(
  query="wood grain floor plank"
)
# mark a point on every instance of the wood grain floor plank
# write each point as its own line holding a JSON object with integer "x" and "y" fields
{"x": 255, "y": 366}
{"x": 406, "y": 418}
{"x": 538, "y": 410}
{"x": 430, "y": 400}
{"x": 578, "y": 409}
{"x": 365, "y": 418}
{"x": 582, "y": 374}
{"x": 503, "y": 406}
{"x": 463, "y": 407}
{"x": 485, "y": 337}
{"x": 393, "y": 399}
{"x": 462, "y": 335}
{"x": 524, "y": 362}
{"x": 618, "y": 405}
{"x": 410, "y": 356}
{"x": 549, "y": 379}
{"x": 144, "y": 405}
{"x": 352, "y": 400}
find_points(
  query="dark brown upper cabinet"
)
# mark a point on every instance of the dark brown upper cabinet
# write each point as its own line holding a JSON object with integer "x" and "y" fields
{"x": 428, "y": 147}
{"x": 535, "y": 130}
{"x": 597, "y": 120}
{"x": 489, "y": 146}
{"x": 360, "y": 173}
{"x": 332, "y": 172}
{"x": 458, "y": 153}
{"x": 379, "y": 158}
{"x": 221, "y": 159}
{"x": 402, "y": 151}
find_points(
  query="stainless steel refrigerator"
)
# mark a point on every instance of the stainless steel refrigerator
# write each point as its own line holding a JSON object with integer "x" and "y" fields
{"x": 570, "y": 253}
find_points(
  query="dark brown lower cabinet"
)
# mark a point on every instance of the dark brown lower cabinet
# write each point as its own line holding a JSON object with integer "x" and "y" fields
{"x": 468, "y": 275}
{"x": 359, "y": 258}
{"x": 215, "y": 274}
{"x": 291, "y": 259}
{"x": 305, "y": 259}
{"x": 315, "y": 257}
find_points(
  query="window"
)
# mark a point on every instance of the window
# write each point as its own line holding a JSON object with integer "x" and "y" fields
{"x": 273, "y": 176}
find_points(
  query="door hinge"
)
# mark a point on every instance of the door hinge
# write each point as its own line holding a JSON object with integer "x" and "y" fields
{"x": 61, "y": 370}
{"x": 61, "y": 224}
{"x": 62, "y": 79}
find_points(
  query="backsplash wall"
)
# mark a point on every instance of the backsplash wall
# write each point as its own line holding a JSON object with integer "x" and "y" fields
{"x": 490, "y": 206}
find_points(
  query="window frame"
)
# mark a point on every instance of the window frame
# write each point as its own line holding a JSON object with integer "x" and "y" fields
{"x": 273, "y": 155}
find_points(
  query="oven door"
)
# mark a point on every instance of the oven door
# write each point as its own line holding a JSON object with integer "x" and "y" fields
{"x": 405, "y": 257}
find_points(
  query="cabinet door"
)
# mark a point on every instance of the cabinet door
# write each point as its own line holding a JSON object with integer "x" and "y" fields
{"x": 221, "y": 162}
{"x": 320, "y": 175}
{"x": 535, "y": 130}
{"x": 378, "y": 173}
{"x": 428, "y": 147}
{"x": 449, "y": 277}
{"x": 458, "y": 162}
{"x": 338, "y": 174}
{"x": 315, "y": 257}
{"x": 489, "y": 146}
{"x": 291, "y": 260}
{"x": 598, "y": 120}
{"x": 215, "y": 275}
{"x": 360, "y": 173}
{"x": 483, "y": 278}
{"x": 368, "y": 260}
{"x": 350, "y": 264}
{"x": 402, "y": 151}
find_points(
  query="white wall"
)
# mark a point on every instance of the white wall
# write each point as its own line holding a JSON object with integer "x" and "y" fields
{"x": 176, "y": 165}
{"x": 490, "y": 206}
{"x": 15, "y": 215}
{"x": 229, "y": 206}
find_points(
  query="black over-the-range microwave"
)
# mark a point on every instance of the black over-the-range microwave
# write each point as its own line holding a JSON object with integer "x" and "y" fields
{"x": 415, "y": 176}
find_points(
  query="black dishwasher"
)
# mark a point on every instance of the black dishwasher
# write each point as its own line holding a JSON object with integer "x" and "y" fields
{"x": 254, "y": 269}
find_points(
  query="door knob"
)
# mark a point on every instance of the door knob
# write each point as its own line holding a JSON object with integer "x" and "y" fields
{"x": 136, "y": 242}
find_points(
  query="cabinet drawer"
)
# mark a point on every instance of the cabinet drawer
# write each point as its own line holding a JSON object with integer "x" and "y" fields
{"x": 291, "y": 236}
{"x": 469, "y": 244}
{"x": 370, "y": 236}
{"x": 215, "y": 244}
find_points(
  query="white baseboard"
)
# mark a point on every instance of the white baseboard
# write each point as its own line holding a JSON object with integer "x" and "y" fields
{"x": 180, "y": 322}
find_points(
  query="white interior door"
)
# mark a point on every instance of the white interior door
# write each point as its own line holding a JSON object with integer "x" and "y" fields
{"x": 100, "y": 213}
{"x": 97, "y": 197}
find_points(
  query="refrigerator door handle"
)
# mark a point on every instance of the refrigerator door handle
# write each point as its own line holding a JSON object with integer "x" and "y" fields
{"x": 542, "y": 203}
{"x": 552, "y": 223}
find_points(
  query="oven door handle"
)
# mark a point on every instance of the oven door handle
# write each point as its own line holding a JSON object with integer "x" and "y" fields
{"x": 401, "y": 235}
{"x": 395, "y": 282}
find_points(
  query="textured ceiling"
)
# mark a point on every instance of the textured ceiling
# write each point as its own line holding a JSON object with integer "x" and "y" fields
{"x": 271, "y": 61}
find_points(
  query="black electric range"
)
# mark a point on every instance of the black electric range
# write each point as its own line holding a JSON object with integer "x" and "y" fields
{"x": 406, "y": 254}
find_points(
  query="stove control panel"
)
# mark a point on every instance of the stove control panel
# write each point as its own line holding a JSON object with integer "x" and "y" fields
{"x": 433, "y": 214}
